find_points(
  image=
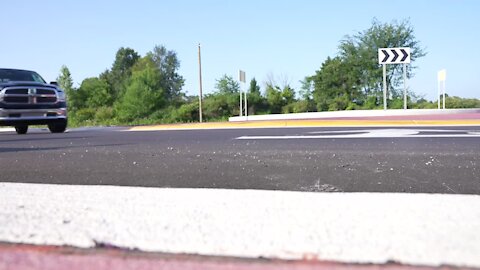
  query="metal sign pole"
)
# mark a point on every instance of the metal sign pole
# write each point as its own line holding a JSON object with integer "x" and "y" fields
{"x": 200, "y": 82}
{"x": 385, "y": 87}
{"x": 439, "y": 94}
{"x": 404, "y": 86}
{"x": 246, "y": 105}
{"x": 444, "y": 94}
{"x": 241, "y": 102}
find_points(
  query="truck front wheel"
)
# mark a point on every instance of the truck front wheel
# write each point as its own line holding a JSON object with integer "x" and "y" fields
{"x": 57, "y": 127}
{"x": 21, "y": 129}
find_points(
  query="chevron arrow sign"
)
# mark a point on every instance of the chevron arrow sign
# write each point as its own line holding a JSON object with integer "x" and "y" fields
{"x": 394, "y": 55}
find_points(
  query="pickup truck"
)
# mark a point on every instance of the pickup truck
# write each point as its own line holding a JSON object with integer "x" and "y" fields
{"x": 26, "y": 99}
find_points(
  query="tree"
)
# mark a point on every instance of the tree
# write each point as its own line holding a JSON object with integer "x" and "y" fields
{"x": 144, "y": 94}
{"x": 333, "y": 86}
{"x": 168, "y": 64}
{"x": 94, "y": 93}
{"x": 256, "y": 101}
{"x": 65, "y": 82}
{"x": 227, "y": 85}
{"x": 225, "y": 101}
{"x": 274, "y": 98}
{"x": 306, "y": 102}
{"x": 306, "y": 90}
{"x": 117, "y": 77}
{"x": 288, "y": 94}
{"x": 360, "y": 52}
{"x": 354, "y": 77}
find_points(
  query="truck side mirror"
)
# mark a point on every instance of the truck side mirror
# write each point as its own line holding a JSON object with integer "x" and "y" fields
{"x": 54, "y": 83}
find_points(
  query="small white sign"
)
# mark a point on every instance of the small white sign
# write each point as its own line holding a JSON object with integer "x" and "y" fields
{"x": 442, "y": 75}
{"x": 241, "y": 76}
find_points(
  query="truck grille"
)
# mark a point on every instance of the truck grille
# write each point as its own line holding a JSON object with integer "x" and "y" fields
{"x": 28, "y": 96}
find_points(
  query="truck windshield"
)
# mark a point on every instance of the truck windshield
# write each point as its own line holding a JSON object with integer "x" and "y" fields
{"x": 7, "y": 75}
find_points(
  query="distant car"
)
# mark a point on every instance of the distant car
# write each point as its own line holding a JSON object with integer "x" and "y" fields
{"x": 26, "y": 99}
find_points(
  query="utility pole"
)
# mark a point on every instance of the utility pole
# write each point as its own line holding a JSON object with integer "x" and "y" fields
{"x": 200, "y": 80}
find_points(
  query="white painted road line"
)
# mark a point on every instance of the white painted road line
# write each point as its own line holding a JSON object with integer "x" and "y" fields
{"x": 418, "y": 229}
{"x": 374, "y": 133}
{"x": 351, "y": 137}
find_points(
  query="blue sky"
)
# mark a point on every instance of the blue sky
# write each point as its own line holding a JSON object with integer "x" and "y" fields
{"x": 284, "y": 39}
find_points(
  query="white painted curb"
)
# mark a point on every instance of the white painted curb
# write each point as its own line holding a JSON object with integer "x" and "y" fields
{"x": 417, "y": 229}
{"x": 353, "y": 113}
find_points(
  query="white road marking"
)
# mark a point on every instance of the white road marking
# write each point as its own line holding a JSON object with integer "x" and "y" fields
{"x": 373, "y": 133}
{"x": 418, "y": 229}
{"x": 393, "y": 131}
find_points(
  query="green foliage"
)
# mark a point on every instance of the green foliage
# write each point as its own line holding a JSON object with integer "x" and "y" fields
{"x": 227, "y": 85}
{"x": 187, "y": 112}
{"x": 274, "y": 99}
{"x": 371, "y": 103}
{"x": 334, "y": 87}
{"x": 170, "y": 81}
{"x": 144, "y": 93}
{"x": 94, "y": 93}
{"x": 306, "y": 90}
{"x": 224, "y": 102}
{"x": 148, "y": 90}
{"x": 354, "y": 77}
{"x": 104, "y": 114}
{"x": 360, "y": 51}
{"x": 340, "y": 103}
{"x": 256, "y": 102}
{"x": 220, "y": 105}
{"x": 459, "y": 103}
{"x": 84, "y": 115}
{"x": 117, "y": 77}
{"x": 396, "y": 103}
{"x": 303, "y": 106}
{"x": 64, "y": 80}
{"x": 288, "y": 95}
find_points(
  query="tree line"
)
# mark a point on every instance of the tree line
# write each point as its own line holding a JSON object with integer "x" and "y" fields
{"x": 148, "y": 89}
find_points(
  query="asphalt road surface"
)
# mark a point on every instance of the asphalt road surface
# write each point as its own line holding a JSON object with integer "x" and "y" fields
{"x": 401, "y": 159}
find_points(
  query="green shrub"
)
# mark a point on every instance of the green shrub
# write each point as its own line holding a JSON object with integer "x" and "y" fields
{"x": 85, "y": 114}
{"x": 104, "y": 115}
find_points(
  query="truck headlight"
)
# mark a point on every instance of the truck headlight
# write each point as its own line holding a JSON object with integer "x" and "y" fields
{"x": 61, "y": 96}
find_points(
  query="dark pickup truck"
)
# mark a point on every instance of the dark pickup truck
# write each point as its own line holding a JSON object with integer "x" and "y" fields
{"x": 26, "y": 99}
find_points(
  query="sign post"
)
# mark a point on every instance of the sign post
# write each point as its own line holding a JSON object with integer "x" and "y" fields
{"x": 441, "y": 78}
{"x": 404, "y": 86}
{"x": 394, "y": 56}
{"x": 200, "y": 83}
{"x": 241, "y": 78}
{"x": 384, "y": 87}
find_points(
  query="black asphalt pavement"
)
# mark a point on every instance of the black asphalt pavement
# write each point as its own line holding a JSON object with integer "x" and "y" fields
{"x": 217, "y": 159}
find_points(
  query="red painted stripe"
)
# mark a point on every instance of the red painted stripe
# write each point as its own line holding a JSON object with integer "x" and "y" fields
{"x": 29, "y": 257}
